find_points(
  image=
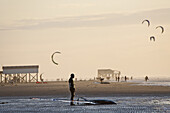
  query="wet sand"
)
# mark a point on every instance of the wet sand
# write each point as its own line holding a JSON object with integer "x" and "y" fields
{"x": 83, "y": 88}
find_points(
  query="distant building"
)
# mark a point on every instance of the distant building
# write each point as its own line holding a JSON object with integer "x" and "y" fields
{"x": 19, "y": 74}
{"x": 108, "y": 73}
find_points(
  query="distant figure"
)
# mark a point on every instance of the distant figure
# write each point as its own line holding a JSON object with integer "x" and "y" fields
{"x": 118, "y": 78}
{"x": 146, "y": 78}
{"x": 131, "y": 78}
{"x": 101, "y": 80}
{"x": 71, "y": 87}
{"x": 125, "y": 78}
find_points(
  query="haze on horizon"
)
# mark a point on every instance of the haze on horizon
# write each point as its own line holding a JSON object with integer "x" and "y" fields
{"x": 91, "y": 35}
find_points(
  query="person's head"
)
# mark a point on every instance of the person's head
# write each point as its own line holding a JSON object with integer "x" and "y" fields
{"x": 72, "y": 75}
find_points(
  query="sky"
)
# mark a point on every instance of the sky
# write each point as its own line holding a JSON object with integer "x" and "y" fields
{"x": 90, "y": 34}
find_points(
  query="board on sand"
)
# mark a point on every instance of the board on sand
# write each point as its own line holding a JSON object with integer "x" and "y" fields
{"x": 84, "y": 101}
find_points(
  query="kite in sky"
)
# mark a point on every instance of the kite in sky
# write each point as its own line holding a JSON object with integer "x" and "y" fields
{"x": 52, "y": 57}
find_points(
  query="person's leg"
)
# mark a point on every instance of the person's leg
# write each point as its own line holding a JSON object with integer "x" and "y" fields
{"x": 72, "y": 97}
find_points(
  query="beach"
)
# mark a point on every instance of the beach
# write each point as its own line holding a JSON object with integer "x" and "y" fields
{"x": 83, "y": 88}
{"x": 54, "y": 97}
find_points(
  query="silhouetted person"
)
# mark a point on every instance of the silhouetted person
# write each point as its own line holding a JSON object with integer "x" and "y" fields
{"x": 125, "y": 78}
{"x": 72, "y": 89}
{"x": 101, "y": 80}
{"x": 146, "y": 78}
{"x": 118, "y": 78}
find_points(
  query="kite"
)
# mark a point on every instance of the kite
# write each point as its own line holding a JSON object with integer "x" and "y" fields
{"x": 161, "y": 28}
{"x": 147, "y": 22}
{"x": 152, "y": 38}
{"x": 53, "y": 58}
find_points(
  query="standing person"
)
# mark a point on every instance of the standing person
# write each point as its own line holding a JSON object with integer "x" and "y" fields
{"x": 146, "y": 78}
{"x": 118, "y": 78}
{"x": 71, "y": 87}
{"x": 125, "y": 78}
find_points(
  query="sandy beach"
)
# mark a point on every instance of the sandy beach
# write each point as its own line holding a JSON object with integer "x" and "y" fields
{"x": 83, "y": 88}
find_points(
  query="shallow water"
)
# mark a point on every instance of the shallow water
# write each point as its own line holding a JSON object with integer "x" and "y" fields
{"x": 155, "y": 83}
{"x": 144, "y": 104}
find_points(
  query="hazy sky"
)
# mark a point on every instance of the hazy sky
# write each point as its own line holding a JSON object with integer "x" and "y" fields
{"x": 90, "y": 34}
